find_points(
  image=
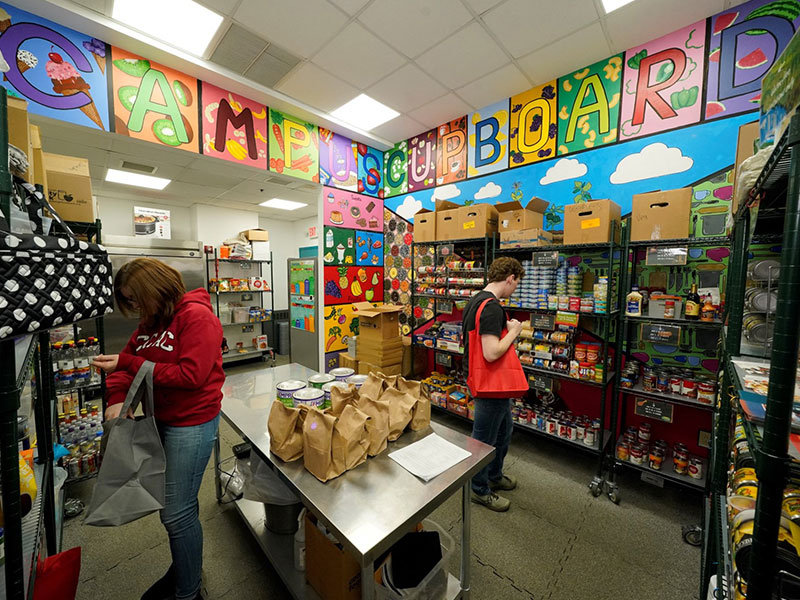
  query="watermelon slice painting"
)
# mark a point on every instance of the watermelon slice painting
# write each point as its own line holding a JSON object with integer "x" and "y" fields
{"x": 724, "y": 21}
{"x": 755, "y": 59}
{"x": 714, "y": 56}
{"x": 756, "y": 99}
{"x": 714, "y": 108}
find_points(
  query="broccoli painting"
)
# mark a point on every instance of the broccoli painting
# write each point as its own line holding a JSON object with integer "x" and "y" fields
{"x": 581, "y": 191}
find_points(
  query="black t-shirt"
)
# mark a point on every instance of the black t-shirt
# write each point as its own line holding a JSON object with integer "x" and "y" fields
{"x": 493, "y": 320}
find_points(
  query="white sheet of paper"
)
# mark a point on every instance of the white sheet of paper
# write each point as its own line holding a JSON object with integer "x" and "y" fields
{"x": 429, "y": 457}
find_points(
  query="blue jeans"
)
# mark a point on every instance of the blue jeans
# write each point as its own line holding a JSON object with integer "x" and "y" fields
{"x": 493, "y": 426}
{"x": 188, "y": 450}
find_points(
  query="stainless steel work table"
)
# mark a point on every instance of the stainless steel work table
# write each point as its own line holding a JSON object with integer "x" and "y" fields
{"x": 368, "y": 509}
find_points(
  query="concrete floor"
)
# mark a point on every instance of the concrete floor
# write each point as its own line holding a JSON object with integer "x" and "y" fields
{"x": 556, "y": 543}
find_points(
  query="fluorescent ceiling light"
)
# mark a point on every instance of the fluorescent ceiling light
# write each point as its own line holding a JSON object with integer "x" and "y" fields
{"x": 137, "y": 179}
{"x": 364, "y": 112}
{"x": 283, "y": 204}
{"x": 180, "y": 23}
{"x": 610, "y": 5}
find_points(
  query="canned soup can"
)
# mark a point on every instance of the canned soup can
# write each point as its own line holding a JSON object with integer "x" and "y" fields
{"x": 285, "y": 390}
{"x": 320, "y": 379}
{"x": 310, "y": 397}
{"x": 342, "y": 373}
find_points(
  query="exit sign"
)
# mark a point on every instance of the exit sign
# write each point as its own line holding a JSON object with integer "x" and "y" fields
{"x": 312, "y": 233}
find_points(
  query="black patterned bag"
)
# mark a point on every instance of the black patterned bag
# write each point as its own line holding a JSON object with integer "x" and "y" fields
{"x": 49, "y": 280}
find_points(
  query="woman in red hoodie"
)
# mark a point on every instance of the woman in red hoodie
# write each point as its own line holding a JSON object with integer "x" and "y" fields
{"x": 179, "y": 332}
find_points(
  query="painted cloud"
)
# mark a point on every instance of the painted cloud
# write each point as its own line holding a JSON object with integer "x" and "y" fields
{"x": 654, "y": 160}
{"x": 490, "y": 190}
{"x": 566, "y": 168}
{"x": 445, "y": 192}
{"x": 409, "y": 208}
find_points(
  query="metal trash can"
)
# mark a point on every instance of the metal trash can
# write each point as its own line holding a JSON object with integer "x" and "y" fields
{"x": 282, "y": 518}
{"x": 283, "y": 337}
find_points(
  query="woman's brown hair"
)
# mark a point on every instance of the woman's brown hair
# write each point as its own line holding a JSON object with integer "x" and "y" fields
{"x": 153, "y": 287}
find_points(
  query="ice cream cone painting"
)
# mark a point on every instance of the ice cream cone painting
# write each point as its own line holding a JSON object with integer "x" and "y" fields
{"x": 54, "y": 69}
{"x": 154, "y": 103}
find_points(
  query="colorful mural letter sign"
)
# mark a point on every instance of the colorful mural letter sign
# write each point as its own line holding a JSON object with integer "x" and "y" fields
{"x": 451, "y": 160}
{"x": 588, "y": 101}
{"x": 234, "y": 128}
{"x": 744, "y": 43}
{"x": 534, "y": 126}
{"x": 370, "y": 171}
{"x": 347, "y": 209}
{"x": 338, "y": 165}
{"x": 60, "y": 72}
{"x": 487, "y": 134}
{"x": 395, "y": 170}
{"x": 422, "y": 161}
{"x": 293, "y": 147}
{"x": 153, "y": 103}
{"x": 662, "y": 87}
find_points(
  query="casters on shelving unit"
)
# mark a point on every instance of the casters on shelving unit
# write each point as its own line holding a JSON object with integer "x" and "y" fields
{"x": 692, "y": 535}
{"x": 596, "y": 486}
{"x": 613, "y": 492}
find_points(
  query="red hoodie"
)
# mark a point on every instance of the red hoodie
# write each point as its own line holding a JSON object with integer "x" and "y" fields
{"x": 188, "y": 375}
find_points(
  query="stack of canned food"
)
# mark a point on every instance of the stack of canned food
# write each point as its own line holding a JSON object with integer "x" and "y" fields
{"x": 670, "y": 380}
{"x": 563, "y": 424}
{"x": 316, "y": 392}
{"x": 554, "y": 351}
{"x": 635, "y": 446}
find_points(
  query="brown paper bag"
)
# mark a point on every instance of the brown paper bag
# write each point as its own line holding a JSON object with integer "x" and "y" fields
{"x": 400, "y": 406}
{"x": 285, "y": 426}
{"x": 341, "y": 397}
{"x": 317, "y": 443}
{"x": 350, "y": 442}
{"x": 389, "y": 380}
{"x": 421, "y": 413}
{"x": 373, "y": 386}
{"x": 378, "y": 424}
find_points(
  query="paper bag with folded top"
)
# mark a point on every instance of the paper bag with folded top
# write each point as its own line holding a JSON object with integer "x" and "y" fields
{"x": 421, "y": 413}
{"x": 350, "y": 441}
{"x": 317, "y": 444}
{"x": 373, "y": 386}
{"x": 378, "y": 424}
{"x": 285, "y": 426}
{"x": 400, "y": 406}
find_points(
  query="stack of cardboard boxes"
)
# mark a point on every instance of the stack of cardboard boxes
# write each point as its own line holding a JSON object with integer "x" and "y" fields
{"x": 523, "y": 226}
{"x": 380, "y": 345}
{"x": 453, "y": 222}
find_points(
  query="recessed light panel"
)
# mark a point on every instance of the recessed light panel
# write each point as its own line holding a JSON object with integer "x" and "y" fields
{"x": 136, "y": 179}
{"x": 364, "y": 112}
{"x": 283, "y": 204}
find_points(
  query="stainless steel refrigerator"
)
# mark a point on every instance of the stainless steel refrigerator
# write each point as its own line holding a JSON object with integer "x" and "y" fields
{"x": 186, "y": 257}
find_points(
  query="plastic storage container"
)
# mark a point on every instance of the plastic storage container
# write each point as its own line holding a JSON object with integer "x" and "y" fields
{"x": 241, "y": 314}
{"x": 434, "y": 585}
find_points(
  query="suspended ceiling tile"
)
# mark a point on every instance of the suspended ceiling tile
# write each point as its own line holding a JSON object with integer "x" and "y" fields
{"x": 268, "y": 70}
{"x": 646, "y": 20}
{"x": 407, "y": 88}
{"x": 206, "y": 178}
{"x": 223, "y": 7}
{"x": 238, "y": 49}
{"x": 413, "y": 26}
{"x": 351, "y": 7}
{"x": 310, "y": 84}
{"x": 149, "y": 153}
{"x": 301, "y": 31}
{"x": 525, "y": 25}
{"x": 358, "y": 57}
{"x": 463, "y": 57}
{"x": 399, "y": 128}
{"x": 441, "y": 110}
{"x": 501, "y": 83}
{"x": 481, "y": 6}
{"x": 564, "y": 56}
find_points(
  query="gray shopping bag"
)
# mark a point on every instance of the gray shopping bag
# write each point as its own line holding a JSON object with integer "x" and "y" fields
{"x": 130, "y": 484}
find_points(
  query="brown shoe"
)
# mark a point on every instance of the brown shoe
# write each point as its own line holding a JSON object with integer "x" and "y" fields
{"x": 505, "y": 483}
{"x": 492, "y": 501}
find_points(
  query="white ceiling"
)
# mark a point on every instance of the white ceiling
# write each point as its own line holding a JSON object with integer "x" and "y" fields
{"x": 431, "y": 60}
{"x": 196, "y": 179}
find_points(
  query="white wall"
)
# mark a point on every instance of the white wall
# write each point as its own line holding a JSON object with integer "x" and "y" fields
{"x": 213, "y": 225}
{"x": 117, "y": 217}
{"x": 285, "y": 240}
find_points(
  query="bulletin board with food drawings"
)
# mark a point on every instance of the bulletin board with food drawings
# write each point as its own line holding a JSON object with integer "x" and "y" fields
{"x": 397, "y": 238}
{"x": 234, "y": 128}
{"x": 348, "y": 209}
{"x": 154, "y": 103}
{"x": 344, "y": 285}
{"x": 293, "y": 146}
{"x": 369, "y": 248}
{"x": 341, "y": 324}
{"x": 302, "y": 294}
{"x": 339, "y": 247}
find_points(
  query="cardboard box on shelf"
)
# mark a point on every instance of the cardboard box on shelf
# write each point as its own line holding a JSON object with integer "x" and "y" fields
{"x": 332, "y": 571}
{"x": 447, "y": 221}
{"x": 39, "y": 173}
{"x": 745, "y": 148}
{"x": 255, "y": 235}
{"x": 365, "y": 368}
{"x": 19, "y": 131}
{"x": 661, "y": 215}
{"x": 345, "y": 360}
{"x": 477, "y": 221}
{"x": 515, "y": 217}
{"x": 70, "y": 187}
{"x": 591, "y": 222}
{"x": 525, "y": 238}
{"x": 381, "y": 322}
{"x": 425, "y": 226}
{"x": 380, "y": 351}
{"x": 260, "y": 250}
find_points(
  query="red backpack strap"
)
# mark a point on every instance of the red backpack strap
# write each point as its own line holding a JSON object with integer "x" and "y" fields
{"x": 478, "y": 315}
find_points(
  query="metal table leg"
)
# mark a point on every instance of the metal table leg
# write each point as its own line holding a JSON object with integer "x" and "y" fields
{"x": 217, "y": 482}
{"x": 466, "y": 551}
{"x": 368, "y": 580}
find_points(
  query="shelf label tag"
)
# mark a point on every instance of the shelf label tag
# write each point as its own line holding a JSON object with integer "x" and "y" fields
{"x": 660, "y": 334}
{"x": 545, "y": 259}
{"x": 665, "y": 257}
{"x": 547, "y": 322}
{"x": 567, "y": 318}
{"x": 540, "y": 383}
{"x": 654, "y": 409}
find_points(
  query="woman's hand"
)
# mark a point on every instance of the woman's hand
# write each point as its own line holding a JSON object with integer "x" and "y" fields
{"x": 112, "y": 412}
{"x": 107, "y": 362}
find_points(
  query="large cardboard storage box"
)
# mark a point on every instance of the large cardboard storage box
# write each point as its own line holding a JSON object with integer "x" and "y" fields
{"x": 515, "y": 217}
{"x": 425, "y": 226}
{"x": 661, "y": 215}
{"x": 19, "y": 131}
{"x": 477, "y": 221}
{"x": 333, "y": 572}
{"x": 70, "y": 187}
{"x": 365, "y": 368}
{"x": 377, "y": 322}
{"x": 380, "y": 351}
{"x": 256, "y": 235}
{"x": 591, "y": 222}
{"x": 447, "y": 223}
{"x": 525, "y": 238}
{"x": 745, "y": 148}
{"x": 345, "y": 360}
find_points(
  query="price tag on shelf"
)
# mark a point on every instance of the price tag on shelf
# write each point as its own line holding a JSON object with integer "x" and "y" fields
{"x": 443, "y": 359}
{"x": 654, "y": 409}
{"x": 540, "y": 383}
{"x": 544, "y": 355}
{"x": 658, "y": 256}
{"x": 547, "y": 322}
{"x": 660, "y": 334}
{"x": 545, "y": 259}
{"x": 444, "y": 307}
{"x": 567, "y": 318}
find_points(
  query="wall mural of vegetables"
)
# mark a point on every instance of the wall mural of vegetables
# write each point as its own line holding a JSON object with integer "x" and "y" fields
{"x": 344, "y": 285}
{"x": 341, "y": 324}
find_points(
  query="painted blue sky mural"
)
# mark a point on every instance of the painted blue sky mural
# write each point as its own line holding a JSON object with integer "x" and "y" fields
{"x": 660, "y": 162}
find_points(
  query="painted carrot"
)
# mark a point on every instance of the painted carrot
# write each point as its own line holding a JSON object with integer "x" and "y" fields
{"x": 276, "y": 130}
